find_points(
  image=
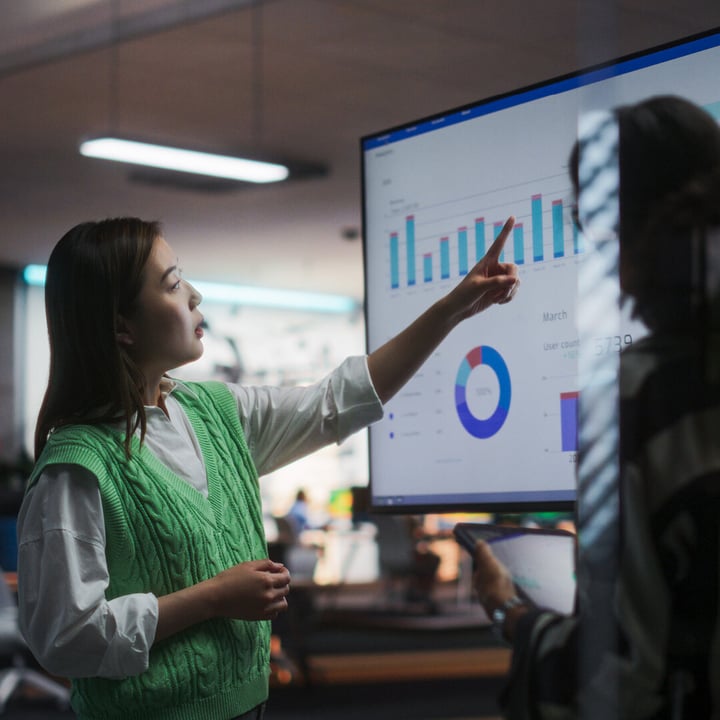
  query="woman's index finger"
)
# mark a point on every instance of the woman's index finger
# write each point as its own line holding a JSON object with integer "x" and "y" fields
{"x": 499, "y": 243}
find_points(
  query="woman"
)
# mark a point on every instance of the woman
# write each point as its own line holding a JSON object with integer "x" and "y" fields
{"x": 666, "y": 592}
{"x": 143, "y": 570}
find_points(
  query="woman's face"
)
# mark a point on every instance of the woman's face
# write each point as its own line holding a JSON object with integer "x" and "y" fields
{"x": 163, "y": 332}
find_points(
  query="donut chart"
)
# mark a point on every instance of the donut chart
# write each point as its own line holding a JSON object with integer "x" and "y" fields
{"x": 482, "y": 427}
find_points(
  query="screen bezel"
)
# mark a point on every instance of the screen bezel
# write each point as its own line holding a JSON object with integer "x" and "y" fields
{"x": 655, "y": 55}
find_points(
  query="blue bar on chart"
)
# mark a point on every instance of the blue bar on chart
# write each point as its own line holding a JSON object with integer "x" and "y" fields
{"x": 410, "y": 236}
{"x": 519, "y": 244}
{"x": 497, "y": 227}
{"x": 479, "y": 239}
{"x": 558, "y": 229}
{"x": 569, "y": 421}
{"x": 577, "y": 240}
{"x": 427, "y": 267}
{"x": 444, "y": 258}
{"x": 537, "y": 227}
{"x": 462, "y": 251}
{"x": 394, "y": 261}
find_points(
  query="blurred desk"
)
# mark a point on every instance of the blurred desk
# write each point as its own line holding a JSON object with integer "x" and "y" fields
{"x": 417, "y": 665}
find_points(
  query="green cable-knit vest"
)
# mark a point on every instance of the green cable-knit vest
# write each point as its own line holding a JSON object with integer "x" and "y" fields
{"x": 162, "y": 536}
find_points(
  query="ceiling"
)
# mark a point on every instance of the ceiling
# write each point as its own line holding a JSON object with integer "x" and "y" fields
{"x": 298, "y": 79}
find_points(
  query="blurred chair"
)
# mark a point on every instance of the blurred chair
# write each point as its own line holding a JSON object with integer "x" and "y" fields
{"x": 14, "y": 655}
{"x": 286, "y": 537}
{"x": 299, "y": 559}
{"x": 407, "y": 569}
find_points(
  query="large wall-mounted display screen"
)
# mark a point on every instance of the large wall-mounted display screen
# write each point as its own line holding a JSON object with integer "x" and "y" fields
{"x": 490, "y": 420}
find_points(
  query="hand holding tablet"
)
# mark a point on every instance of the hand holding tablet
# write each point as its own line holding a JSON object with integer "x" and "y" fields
{"x": 541, "y": 562}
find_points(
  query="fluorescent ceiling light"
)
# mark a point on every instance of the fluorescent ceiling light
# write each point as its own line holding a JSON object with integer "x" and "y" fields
{"x": 244, "y": 295}
{"x": 189, "y": 161}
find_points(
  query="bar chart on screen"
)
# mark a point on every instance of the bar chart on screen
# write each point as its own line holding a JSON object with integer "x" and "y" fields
{"x": 430, "y": 244}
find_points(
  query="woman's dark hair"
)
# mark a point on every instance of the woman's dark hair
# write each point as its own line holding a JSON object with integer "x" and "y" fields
{"x": 669, "y": 197}
{"x": 669, "y": 160}
{"x": 666, "y": 144}
{"x": 94, "y": 275}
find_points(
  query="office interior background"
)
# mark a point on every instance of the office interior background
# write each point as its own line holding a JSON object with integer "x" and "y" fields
{"x": 299, "y": 81}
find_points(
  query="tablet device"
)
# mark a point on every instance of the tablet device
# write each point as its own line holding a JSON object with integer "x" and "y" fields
{"x": 541, "y": 562}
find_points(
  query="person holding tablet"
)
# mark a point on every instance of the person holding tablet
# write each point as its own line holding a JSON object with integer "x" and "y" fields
{"x": 666, "y": 595}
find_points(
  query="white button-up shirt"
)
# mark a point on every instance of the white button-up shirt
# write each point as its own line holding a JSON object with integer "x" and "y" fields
{"x": 72, "y": 629}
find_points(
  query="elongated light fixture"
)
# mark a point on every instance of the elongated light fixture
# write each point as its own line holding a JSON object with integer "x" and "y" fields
{"x": 188, "y": 161}
{"x": 245, "y": 295}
